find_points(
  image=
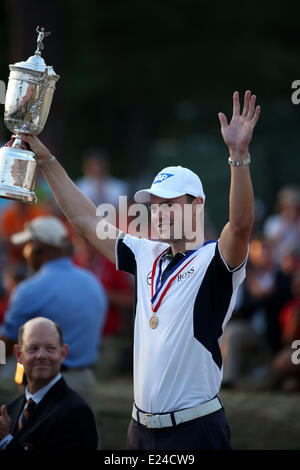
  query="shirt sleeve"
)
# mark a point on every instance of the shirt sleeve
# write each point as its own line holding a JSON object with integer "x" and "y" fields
{"x": 238, "y": 273}
{"x": 127, "y": 251}
{"x": 215, "y": 301}
{"x": 227, "y": 282}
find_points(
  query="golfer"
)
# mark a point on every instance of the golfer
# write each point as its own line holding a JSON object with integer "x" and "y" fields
{"x": 185, "y": 290}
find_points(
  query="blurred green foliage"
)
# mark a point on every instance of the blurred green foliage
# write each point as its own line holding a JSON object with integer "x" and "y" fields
{"x": 146, "y": 79}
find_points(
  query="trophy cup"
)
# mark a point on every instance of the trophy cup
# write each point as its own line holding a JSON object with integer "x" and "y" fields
{"x": 28, "y": 99}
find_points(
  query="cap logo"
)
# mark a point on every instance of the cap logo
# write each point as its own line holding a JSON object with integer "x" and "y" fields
{"x": 161, "y": 177}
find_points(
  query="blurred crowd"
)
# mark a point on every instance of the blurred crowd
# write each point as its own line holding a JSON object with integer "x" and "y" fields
{"x": 16, "y": 267}
{"x": 257, "y": 342}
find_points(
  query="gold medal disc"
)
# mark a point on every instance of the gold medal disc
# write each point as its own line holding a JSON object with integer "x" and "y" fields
{"x": 153, "y": 322}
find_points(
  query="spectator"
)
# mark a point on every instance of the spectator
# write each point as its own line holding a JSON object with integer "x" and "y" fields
{"x": 13, "y": 220}
{"x": 116, "y": 349}
{"x": 118, "y": 285}
{"x": 289, "y": 263}
{"x": 12, "y": 275}
{"x": 96, "y": 182}
{"x": 290, "y": 314}
{"x": 49, "y": 416}
{"x": 288, "y": 373}
{"x": 260, "y": 282}
{"x": 245, "y": 351}
{"x": 255, "y": 335}
{"x": 68, "y": 295}
{"x": 283, "y": 228}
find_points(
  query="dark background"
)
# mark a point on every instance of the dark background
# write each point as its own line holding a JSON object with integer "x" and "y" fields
{"x": 146, "y": 79}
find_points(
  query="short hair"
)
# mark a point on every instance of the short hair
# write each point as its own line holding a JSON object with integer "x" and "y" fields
{"x": 58, "y": 329}
{"x": 190, "y": 199}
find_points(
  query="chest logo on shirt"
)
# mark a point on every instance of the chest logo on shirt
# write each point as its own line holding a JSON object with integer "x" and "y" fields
{"x": 180, "y": 277}
{"x": 186, "y": 275}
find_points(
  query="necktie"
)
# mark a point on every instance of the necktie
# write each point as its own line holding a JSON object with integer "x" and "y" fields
{"x": 27, "y": 412}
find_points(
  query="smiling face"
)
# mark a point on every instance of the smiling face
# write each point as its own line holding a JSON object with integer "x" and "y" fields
{"x": 166, "y": 216}
{"x": 40, "y": 352}
{"x": 174, "y": 219}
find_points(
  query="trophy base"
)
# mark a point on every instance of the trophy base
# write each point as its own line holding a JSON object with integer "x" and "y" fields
{"x": 11, "y": 193}
{"x": 18, "y": 170}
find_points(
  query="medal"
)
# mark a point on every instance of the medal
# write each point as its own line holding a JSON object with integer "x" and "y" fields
{"x": 160, "y": 289}
{"x": 153, "y": 322}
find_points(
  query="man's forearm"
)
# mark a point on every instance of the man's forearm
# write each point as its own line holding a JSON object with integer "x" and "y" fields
{"x": 241, "y": 200}
{"x": 78, "y": 209}
{"x": 237, "y": 136}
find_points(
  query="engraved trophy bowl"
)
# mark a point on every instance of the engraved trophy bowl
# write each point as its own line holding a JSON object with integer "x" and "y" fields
{"x": 27, "y": 104}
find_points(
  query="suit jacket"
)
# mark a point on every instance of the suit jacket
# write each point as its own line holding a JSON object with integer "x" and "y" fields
{"x": 61, "y": 421}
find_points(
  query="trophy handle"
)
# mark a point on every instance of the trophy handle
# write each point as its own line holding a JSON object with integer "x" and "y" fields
{"x": 44, "y": 84}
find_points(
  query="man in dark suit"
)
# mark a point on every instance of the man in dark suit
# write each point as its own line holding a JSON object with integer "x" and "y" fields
{"x": 49, "y": 416}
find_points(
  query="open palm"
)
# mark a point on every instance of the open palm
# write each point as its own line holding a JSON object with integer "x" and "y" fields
{"x": 237, "y": 135}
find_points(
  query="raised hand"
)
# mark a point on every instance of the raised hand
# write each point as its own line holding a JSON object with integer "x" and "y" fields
{"x": 237, "y": 135}
{"x": 36, "y": 146}
{"x": 30, "y": 142}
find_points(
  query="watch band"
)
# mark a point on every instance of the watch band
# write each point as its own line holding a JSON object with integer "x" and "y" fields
{"x": 49, "y": 160}
{"x": 244, "y": 162}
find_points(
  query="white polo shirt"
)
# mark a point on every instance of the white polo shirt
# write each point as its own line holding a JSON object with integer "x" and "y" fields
{"x": 178, "y": 364}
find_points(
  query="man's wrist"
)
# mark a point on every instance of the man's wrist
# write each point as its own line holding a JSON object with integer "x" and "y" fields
{"x": 42, "y": 162}
{"x": 240, "y": 162}
{"x": 238, "y": 154}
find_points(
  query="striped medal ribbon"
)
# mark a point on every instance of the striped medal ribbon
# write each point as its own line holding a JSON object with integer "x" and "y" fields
{"x": 160, "y": 289}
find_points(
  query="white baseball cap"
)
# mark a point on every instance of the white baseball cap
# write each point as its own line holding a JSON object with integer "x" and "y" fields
{"x": 46, "y": 229}
{"x": 171, "y": 182}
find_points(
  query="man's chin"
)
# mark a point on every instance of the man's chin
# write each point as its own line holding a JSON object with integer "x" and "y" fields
{"x": 165, "y": 236}
{"x": 42, "y": 372}
{"x": 41, "y": 367}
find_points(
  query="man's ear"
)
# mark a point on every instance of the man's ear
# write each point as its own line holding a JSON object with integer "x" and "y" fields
{"x": 18, "y": 353}
{"x": 65, "y": 350}
{"x": 198, "y": 204}
{"x": 198, "y": 200}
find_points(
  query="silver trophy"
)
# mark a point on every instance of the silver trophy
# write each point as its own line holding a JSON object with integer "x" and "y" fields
{"x": 28, "y": 99}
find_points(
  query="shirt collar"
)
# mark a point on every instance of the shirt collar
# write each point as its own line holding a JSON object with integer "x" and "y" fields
{"x": 63, "y": 261}
{"x": 169, "y": 255}
{"x": 39, "y": 395}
